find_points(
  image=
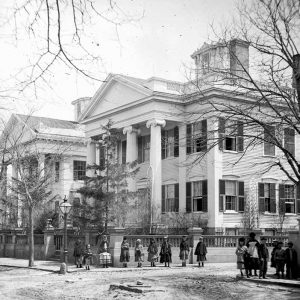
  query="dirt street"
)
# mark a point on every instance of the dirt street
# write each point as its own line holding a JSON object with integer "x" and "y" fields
{"x": 211, "y": 282}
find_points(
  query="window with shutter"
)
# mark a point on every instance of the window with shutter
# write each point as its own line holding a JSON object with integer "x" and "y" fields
{"x": 289, "y": 140}
{"x": 169, "y": 143}
{"x": 143, "y": 148}
{"x": 269, "y": 146}
{"x": 298, "y": 197}
{"x": 287, "y": 198}
{"x": 221, "y": 130}
{"x": 163, "y": 199}
{"x": 231, "y": 195}
{"x": 231, "y": 135}
{"x": 196, "y": 137}
{"x": 170, "y": 198}
{"x": 188, "y": 203}
{"x": 267, "y": 197}
{"x": 241, "y": 196}
{"x": 176, "y": 141}
{"x": 221, "y": 194}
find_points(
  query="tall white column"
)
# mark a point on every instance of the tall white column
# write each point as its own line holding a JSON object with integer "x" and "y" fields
{"x": 155, "y": 163}
{"x": 214, "y": 174}
{"x": 91, "y": 156}
{"x": 131, "y": 151}
{"x": 182, "y": 167}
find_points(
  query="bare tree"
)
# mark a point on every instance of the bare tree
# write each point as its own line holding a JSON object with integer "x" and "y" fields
{"x": 60, "y": 37}
{"x": 264, "y": 95}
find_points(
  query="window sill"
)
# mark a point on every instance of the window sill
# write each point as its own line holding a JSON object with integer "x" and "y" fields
{"x": 169, "y": 158}
{"x": 230, "y": 212}
{"x": 199, "y": 212}
{"x": 266, "y": 213}
{"x": 269, "y": 155}
{"x": 290, "y": 214}
{"x": 230, "y": 151}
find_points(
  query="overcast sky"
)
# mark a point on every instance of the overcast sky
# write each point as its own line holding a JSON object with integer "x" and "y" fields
{"x": 159, "y": 44}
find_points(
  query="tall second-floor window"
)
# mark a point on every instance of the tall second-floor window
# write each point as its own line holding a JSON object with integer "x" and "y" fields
{"x": 231, "y": 135}
{"x": 143, "y": 148}
{"x": 269, "y": 146}
{"x": 267, "y": 197}
{"x": 289, "y": 140}
{"x": 196, "y": 196}
{"x": 232, "y": 195}
{"x": 79, "y": 169}
{"x": 196, "y": 137}
{"x": 170, "y": 198}
{"x": 287, "y": 198}
{"x": 170, "y": 143}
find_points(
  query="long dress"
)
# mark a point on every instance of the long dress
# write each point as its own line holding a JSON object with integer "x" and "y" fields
{"x": 124, "y": 256}
{"x": 152, "y": 253}
{"x": 240, "y": 259}
{"x": 165, "y": 252}
{"x": 201, "y": 251}
{"x": 184, "y": 250}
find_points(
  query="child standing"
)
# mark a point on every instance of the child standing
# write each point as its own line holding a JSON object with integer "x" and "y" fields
{"x": 88, "y": 255}
{"x": 240, "y": 253}
{"x": 184, "y": 251}
{"x": 279, "y": 257}
{"x": 124, "y": 256}
{"x": 201, "y": 251}
{"x": 139, "y": 255}
{"x": 152, "y": 252}
{"x": 253, "y": 245}
{"x": 166, "y": 252}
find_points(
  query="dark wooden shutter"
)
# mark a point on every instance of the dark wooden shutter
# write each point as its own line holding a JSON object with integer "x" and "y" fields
{"x": 298, "y": 198}
{"x": 221, "y": 193}
{"x": 176, "y": 197}
{"x": 272, "y": 198}
{"x": 221, "y": 130}
{"x": 102, "y": 157}
{"x": 240, "y": 137}
{"x": 204, "y": 135}
{"x": 140, "y": 149}
{"x": 124, "y": 145}
{"x": 163, "y": 144}
{"x": 188, "y": 138}
{"x": 241, "y": 196}
{"x": 281, "y": 207}
{"x": 188, "y": 198}
{"x": 163, "y": 200}
{"x": 176, "y": 141}
{"x": 261, "y": 197}
{"x": 204, "y": 195}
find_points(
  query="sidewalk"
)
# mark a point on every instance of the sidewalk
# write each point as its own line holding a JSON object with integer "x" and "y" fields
{"x": 54, "y": 266}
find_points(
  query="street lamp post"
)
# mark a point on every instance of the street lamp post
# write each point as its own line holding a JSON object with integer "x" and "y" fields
{"x": 65, "y": 208}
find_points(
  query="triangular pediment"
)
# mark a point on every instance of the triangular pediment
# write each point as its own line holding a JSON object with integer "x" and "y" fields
{"x": 116, "y": 93}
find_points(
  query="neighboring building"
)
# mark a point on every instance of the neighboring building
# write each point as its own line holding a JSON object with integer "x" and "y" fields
{"x": 164, "y": 134}
{"x": 57, "y": 141}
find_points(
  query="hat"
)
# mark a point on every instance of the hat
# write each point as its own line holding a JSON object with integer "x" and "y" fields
{"x": 138, "y": 240}
{"x": 263, "y": 238}
{"x": 290, "y": 243}
{"x": 280, "y": 242}
{"x": 252, "y": 234}
{"x": 200, "y": 237}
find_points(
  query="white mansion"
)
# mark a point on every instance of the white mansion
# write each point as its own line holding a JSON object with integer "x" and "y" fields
{"x": 167, "y": 138}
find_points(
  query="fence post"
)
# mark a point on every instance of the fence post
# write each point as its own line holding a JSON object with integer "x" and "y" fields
{"x": 49, "y": 247}
{"x": 116, "y": 238}
{"x": 194, "y": 234}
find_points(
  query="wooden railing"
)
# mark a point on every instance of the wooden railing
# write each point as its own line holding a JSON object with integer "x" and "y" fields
{"x": 173, "y": 239}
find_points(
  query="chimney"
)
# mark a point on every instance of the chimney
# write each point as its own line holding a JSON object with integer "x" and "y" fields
{"x": 80, "y": 105}
{"x": 239, "y": 57}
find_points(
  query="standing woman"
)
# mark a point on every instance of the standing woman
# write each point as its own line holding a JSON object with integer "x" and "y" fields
{"x": 201, "y": 251}
{"x": 165, "y": 252}
{"x": 184, "y": 251}
{"x": 78, "y": 253}
{"x": 152, "y": 252}
{"x": 125, "y": 256}
{"x": 139, "y": 255}
{"x": 105, "y": 257}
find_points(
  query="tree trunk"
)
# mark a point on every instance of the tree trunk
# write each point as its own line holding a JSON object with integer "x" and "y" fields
{"x": 31, "y": 239}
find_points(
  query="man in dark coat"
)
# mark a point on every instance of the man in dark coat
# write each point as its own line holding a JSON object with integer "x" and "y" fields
{"x": 165, "y": 252}
{"x": 291, "y": 261}
{"x": 78, "y": 253}
{"x": 263, "y": 255}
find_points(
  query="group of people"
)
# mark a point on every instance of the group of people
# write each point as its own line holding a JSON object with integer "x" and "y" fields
{"x": 254, "y": 255}
{"x": 83, "y": 255}
{"x": 164, "y": 256}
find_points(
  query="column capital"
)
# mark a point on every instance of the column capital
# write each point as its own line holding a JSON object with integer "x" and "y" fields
{"x": 130, "y": 129}
{"x": 156, "y": 122}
